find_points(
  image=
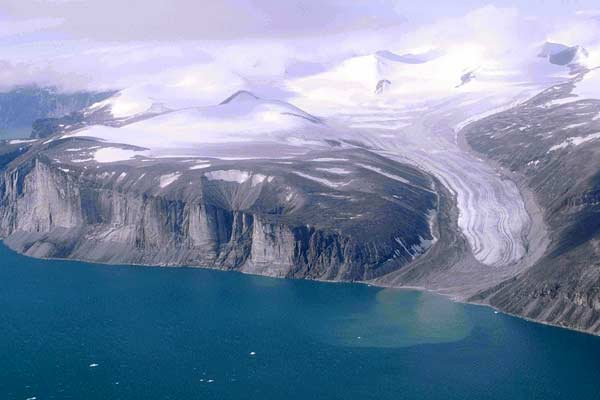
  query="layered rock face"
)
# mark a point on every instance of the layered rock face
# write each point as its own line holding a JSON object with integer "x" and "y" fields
{"x": 551, "y": 144}
{"x": 279, "y": 219}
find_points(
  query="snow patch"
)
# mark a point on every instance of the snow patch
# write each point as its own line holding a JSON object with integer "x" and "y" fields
{"x": 166, "y": 180}
{"x": 199, "y": 166}
{"x": 337, "y": 171}
{"x": 322, "y": 181}
{"x": 121, "y": 176}
{"x": 21, "y": 141}
{"x": 124, "y": 104}
{"x": 326, "y": 159}
{"x": 575, "y": 141}
{"x": 572, "y": 126}
{"x": 113, "y": 154}
{"x": 236, "y": 175}
{"x": 589, "y": 86}
{"x": 382, "y": 172}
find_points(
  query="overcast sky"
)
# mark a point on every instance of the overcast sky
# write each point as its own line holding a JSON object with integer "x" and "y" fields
{"x": 226, "y": 19}
{"x": 116, "y": 43}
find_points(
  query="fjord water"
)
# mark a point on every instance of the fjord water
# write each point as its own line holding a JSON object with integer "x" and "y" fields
{"x": 15, "y": 133}
{"x": 71, "y": 330}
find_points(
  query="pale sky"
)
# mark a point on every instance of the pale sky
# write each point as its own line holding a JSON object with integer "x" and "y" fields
{"x": 117, "y": 43}
{"x": 226, "y": 19}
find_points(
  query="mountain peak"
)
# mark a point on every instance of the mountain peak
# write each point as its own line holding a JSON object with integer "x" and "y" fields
{"x": 240, "y": 96}
{"x": 408, "y": 58}
{"x": 560, "y": 54}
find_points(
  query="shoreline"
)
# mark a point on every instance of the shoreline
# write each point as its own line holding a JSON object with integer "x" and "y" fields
{"x": 366, "y": 283}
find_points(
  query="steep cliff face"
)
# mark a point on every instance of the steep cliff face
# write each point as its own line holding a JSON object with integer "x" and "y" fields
{"x": 551, "y": 144}
{"x": 270, "y": 222}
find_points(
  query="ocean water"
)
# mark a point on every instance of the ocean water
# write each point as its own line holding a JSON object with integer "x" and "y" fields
{"x": 15, "y": 133}
{"x": 71, "y": 330}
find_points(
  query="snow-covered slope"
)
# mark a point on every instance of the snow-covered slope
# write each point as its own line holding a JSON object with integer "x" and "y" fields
{"x": 182, "y": 88}
{"x": 241, "y": 118}
{"x": 424, "y": 77}
{"x": 589, "y": 86}
{"x": 413, "y": 117}
{"x": 560, "y": 54}
{"x": 126, "y": 103}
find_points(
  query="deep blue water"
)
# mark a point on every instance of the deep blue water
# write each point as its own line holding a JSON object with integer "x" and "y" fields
{"x": 159, "y": 333}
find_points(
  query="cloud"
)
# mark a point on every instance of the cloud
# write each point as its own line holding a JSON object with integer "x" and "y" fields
{"x": 22, "y": 74}
{"x": 201, "y": 20}
{"x": 10, "y": 27}
{"x": 258, "y": 62}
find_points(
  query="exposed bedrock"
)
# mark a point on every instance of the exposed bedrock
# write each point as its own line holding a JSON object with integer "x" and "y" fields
{"x": 279, "y": 224}
{"x": 550, "y": 145}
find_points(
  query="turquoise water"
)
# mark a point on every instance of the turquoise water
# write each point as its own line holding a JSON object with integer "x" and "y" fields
{"x": 158, "y": 333}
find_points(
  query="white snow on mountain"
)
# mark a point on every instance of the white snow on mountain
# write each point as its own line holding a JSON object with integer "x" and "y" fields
{"x": 126, "y": 103}
{"x": 166, "y": 180}
{"x": 242, "y": 118}
{"x": 191, "y": 86}
{"x": 237, "y": 176}
{"x": 589, "y": 86}
{"x": 574, "y": 141}
{"x": 467, "y": 68}
{"x": 113, "y": 154}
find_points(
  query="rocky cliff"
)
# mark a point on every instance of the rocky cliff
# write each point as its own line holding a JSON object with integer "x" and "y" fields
{"x": 552, "y": 146}
{"x": 266, "y": 218}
